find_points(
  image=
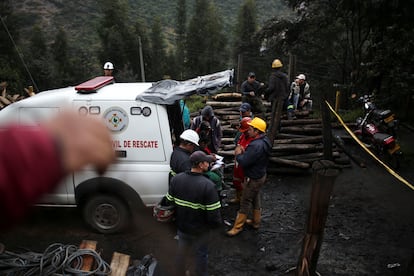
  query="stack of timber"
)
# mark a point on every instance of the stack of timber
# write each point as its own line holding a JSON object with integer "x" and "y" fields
{"x": 6, "y": 98}
{"x": 298, "y": 144}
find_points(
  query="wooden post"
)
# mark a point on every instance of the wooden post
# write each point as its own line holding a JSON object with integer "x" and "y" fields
{"x": 326, "y": 130}
{"x": 275, "y": 117}
{"x": 119, "y": 264}
{"x": 324, "y": 174}
{"x": 88, "y": 260}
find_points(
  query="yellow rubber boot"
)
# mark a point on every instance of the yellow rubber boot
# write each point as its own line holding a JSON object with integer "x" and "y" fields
{"x": 238, "y": 225}
{"x": 257, "y": 217}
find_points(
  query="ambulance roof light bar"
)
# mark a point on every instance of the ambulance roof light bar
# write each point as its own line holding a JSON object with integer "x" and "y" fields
{"x": 92, "y": 85}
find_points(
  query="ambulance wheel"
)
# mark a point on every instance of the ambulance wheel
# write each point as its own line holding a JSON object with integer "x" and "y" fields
{"x": 106, "y": 214}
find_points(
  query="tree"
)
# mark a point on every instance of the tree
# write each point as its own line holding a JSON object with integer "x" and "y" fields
{"x": 11, "y": 67}
{"x": 118, "y": 43}
{"x": 352, "y": 43}
{"x": 140, "y": 34}
{"x": 181, "y": 31}
{"x": 246, "y": 26}
{"x": 205, "y": 46}
{"x": 39, "y": 62}
{"x": 158, "y": 67}
{"x": 64, "y": 69}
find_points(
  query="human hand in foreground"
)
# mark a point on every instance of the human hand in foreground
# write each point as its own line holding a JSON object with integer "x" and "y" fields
{"x": 83, "y": 140}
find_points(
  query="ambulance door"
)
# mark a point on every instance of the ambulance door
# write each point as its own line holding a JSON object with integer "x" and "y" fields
{"x": 32, "y": 116}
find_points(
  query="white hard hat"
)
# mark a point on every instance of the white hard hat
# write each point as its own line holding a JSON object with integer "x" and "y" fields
{"x": 190, "y": 136}
{"x": 301, "y": 77}
{"x": 108, "y": 65}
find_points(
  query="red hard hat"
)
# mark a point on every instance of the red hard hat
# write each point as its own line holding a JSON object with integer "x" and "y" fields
{"x": 244, "y": 124}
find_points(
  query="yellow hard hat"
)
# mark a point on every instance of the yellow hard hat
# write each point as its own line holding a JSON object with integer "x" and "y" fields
{"x": 258, "y": 124}
{"x": 277, "y": 63}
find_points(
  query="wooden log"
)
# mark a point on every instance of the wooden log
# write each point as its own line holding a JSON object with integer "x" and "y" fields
{"x": 228, "y": 147}
{"x": 230, "y": 104}
{"x": 324, "y": 175}
{"x": 290, "y": 136}
{"x": 119, "y": 264}
{"x": 358, "y": 160}
{"x": 227, "y": 111}
{"x": 297, "y": 147}
{"x": 276, "y": 169}
{"x": 227, "y": 140}
{"x": 230, "y": 117}
{"x": 227, "y": 96}
{"x": 4, "y": 100}
{"x": 224, "y": 104}
{"x": 29, "y": 91}
{"x": 302, "y": 130}
{"x": 301, "y": 122}
{"x": 300, "y": 140}
{"x": 306, "y": 157}
{"x": 88, "y": 261}
{"x": 302, "y": 114}
{"x": 226, "y": 153}
{"x": 293, "y": 163}
{"x": 15, "y": 97}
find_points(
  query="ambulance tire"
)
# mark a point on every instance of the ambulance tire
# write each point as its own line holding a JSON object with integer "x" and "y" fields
{"x": 105, "y": 213}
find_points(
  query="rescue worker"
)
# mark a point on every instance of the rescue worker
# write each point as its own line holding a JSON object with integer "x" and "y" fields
{"x": 304, "y": 97}
{"x": 245, "y": 110}
{"x": 251, "y": 91}
{"x": 197, "y": 213}
{"x": 278, "y": 91}
{"x": 216, "y": 133}
{"x": 238, "y": 174}
{"x": 294, "y": 93}
{"x": 108, "y": 68}
{"x": 254, "y": 160}
{"x": 180, "y": 157}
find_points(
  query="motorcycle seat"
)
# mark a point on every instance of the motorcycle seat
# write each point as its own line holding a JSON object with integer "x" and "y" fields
{"x": 379, "y": 136}
{"x": 382, "y": 114}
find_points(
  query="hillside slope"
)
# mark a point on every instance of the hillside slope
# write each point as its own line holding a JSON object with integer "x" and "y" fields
{"x": 80, "y": 18}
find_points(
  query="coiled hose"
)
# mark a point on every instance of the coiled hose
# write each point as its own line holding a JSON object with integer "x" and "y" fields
{"x": 57, "y": 259}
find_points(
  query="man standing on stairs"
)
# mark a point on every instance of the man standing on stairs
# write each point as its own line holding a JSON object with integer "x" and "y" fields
{"x": 254, "y": 160}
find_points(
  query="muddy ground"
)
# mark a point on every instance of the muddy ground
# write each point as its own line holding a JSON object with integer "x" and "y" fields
{"x": 369, "y": 228}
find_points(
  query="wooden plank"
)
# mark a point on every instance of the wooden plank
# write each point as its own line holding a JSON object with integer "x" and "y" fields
{"x": 119, "y": 264}
{"x": 88, "y": 260}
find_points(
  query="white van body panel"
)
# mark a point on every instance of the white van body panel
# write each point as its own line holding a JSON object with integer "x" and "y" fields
{"x": 143, "y": 143}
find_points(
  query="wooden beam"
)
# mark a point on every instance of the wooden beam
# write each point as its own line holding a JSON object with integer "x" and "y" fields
{"x": 88, "y": 260}
{"x": 119, "y": 264}
{"x": 324, "y": 175}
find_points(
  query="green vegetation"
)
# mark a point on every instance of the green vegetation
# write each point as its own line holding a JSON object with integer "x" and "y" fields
{"x": 351, "y": 46}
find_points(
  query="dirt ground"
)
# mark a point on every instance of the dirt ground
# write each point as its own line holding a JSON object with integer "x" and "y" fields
{"x": 369, "y": 228}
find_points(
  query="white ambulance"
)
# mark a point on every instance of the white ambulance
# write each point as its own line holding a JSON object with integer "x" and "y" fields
{"x": 142, "y": 118}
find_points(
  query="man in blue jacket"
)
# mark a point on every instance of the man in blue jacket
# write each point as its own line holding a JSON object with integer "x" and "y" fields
{"x": 254, "y": 160}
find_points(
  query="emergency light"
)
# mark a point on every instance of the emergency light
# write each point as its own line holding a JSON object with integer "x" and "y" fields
{"x": 92, "y": 85}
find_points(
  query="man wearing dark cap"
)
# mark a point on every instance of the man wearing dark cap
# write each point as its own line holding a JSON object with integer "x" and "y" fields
{"x": 251, "y": 91}
{"x": 197, "y": 213}
{"x": 245, "y": 110}
{"x": 216, "y": 133}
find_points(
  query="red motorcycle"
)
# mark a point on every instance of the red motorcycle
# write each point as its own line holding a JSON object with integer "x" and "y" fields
{"x": 384, "y": 119}
{"x": 383, "y": 145}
